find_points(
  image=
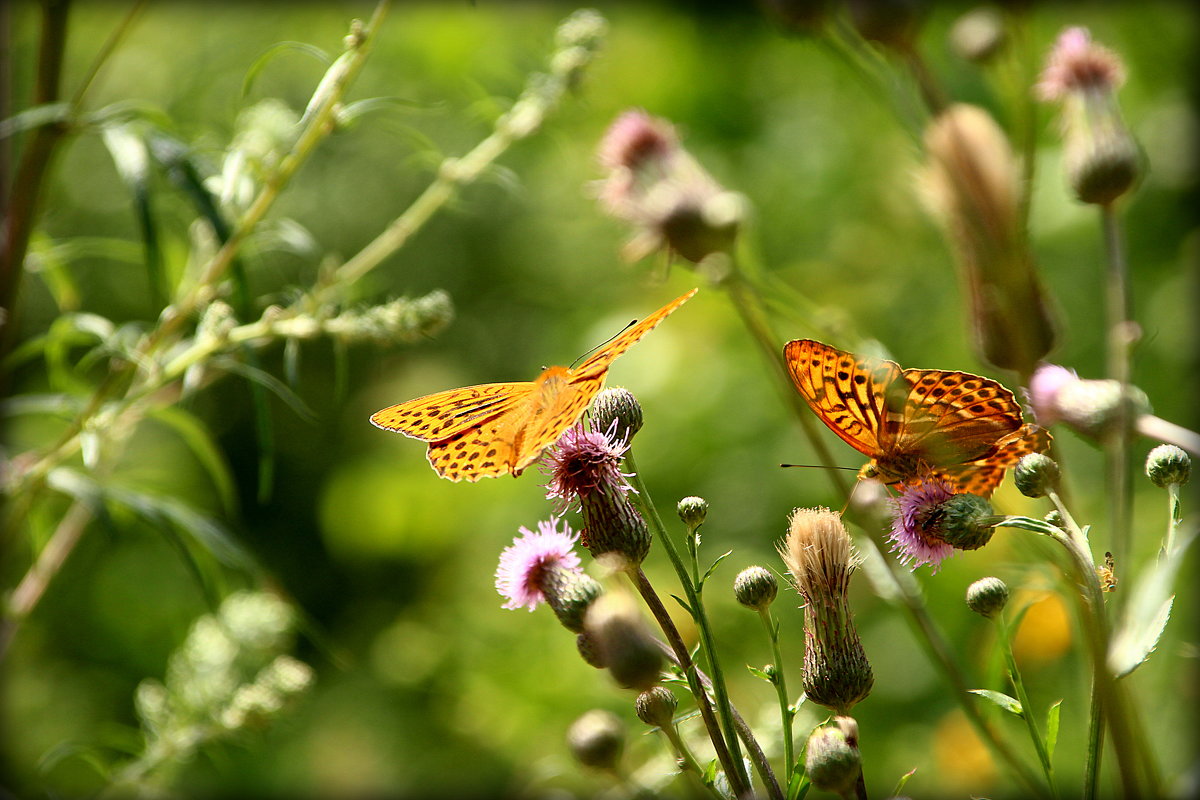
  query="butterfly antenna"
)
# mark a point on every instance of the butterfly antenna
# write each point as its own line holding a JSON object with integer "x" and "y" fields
{"x": 587, "y": 353}
{"x": 825, "y": 466}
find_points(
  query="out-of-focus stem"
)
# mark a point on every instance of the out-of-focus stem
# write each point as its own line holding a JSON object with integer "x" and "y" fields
{"x": 785, "y": 706}
{"x": 1014, "y": 674}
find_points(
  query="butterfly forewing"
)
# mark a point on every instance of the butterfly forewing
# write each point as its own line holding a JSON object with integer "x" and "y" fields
{"x": 848, "y": 394}
{"x": 603, "y": 358}
{"x": 442, "y": 415}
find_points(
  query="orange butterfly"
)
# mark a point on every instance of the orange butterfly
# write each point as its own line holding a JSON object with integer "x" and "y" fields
{"x": 497, "y": 428}
{"x": 915, "y": 424}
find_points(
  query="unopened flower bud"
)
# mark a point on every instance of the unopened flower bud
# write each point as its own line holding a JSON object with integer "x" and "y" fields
{"x": 692, "y": 510}
{"x": 1168, "y": 464}
{"x": 755, "y": 587}
{"x": 596, "y": 739}
{"x": 656, "y": 706}
{"x": 625, "y": 645}
{"x": 1036, "y": 474}
{"x": 987, "y": 596}
{"x": 1090, "y": 407}
{"x": 617, "y": 407}
{"x": 570, "y": 593}
{"x": 614, "y": 525}
{"x": 831, "y": 762}
{"x": 589, "y": 651}
{"x": 965, "y": 522}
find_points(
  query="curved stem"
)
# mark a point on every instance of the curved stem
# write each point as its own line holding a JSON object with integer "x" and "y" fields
{"x": 680, "y": 655}
{"x": 686, "y": 760}
{"x": 696, "y": 607}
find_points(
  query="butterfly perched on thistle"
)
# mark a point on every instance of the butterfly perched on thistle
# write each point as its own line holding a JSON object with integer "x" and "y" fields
{"x": 501, "y": 428}
{"x": 916, "y": 425}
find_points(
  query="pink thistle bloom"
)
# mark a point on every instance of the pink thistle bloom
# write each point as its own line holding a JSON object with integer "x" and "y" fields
{"x": 525, "y": 564}
{"x": 1076, "y": 64}
{"x": 584, "y": 462}
{"x": 634, "y": 138}
{"x": 1044, "y": 387}
{"x": 911, "y": 539}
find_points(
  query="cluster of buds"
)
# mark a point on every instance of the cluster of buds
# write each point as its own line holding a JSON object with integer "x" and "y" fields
{"x": 657, "y": 186}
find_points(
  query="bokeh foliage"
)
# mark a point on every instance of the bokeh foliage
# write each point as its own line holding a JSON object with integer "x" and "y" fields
{"x": 419, "y": 670}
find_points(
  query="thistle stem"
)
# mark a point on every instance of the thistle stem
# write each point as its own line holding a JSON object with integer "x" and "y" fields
{"x": 686, "y": 760}
{"x": 785, "y": 709}
{"x": 697, "y": 611}
{"x": 1014, "y": 675}
{"x": 690, "y": 672}
{"x": 1122, "y": 333}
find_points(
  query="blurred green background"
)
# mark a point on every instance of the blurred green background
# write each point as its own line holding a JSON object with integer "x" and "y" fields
{"x": 425, "y": 685}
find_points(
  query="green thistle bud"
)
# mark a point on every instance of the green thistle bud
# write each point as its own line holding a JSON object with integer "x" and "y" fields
{"x": 755, "y": 587}
{"x": 987, "y": 596}
{"x": 625, "y": 645}
{"x": 656, "y": 706}
{"x": 617, "y": 406}
{"x": 589, "y": 651}
{"x": 693, "y": 511}
{"x": 964, "y": 522}
{"x": 570, "y": 593}
{"x": 1036, "y": 475}
{"x": 596, "y": 739}
{"x": 832, "y": 762}
{"x": 1167, "y": 465}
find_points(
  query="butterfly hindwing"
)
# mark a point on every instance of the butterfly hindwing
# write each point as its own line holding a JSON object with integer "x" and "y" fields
{"x": 444, "y": 414}
{"x": 954, "y": 417}
{"x": 480, "y": 451}
{"x": 848, "y": 394}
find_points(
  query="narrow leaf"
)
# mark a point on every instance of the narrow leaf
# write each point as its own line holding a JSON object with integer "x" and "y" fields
{"x": 758, "y": 673}
{"x": 36, "y": 117}
{"x": 712, "y": 568}
{"x": 683, "y": 603}
{"x": 1052, "y": 729}
{"x": 1009, "y": 704}
{"x": 196, "y": 436}
{"x": 274, "y": 50}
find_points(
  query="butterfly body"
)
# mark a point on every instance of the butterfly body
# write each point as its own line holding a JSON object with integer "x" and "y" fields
{"x": 501, "y": 428}
{"x": 915, "y": 424}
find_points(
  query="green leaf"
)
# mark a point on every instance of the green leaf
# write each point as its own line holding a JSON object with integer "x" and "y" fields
{"x": 1029, "y": 524}
{"x": 683, "y": 603}
{"x": 196, "y": 436}
{"x": 274, "y": 50}
{"x": 797, "y": 782}
{"x": 1009, "y": 704}
{"x": 1052, "y": 729}
{"x": 758, "y": 673}
{"x": 131, "y": 156}
{"x": 903, "y": 780}
{"x": 352, "y": 112}
{"x": 1147, "y": 612}
{"x": 712, "y": 568}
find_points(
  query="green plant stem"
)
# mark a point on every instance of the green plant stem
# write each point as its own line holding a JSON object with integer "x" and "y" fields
{"x": 691, "y": 674}
{"x": 1122, "y": 333}
{"x": 697, "y": 611}
{"x": 1110, "y": 707}
{"x": 1039, "y": 743}
{"x": 786, "y": 714}
{"x": 748, "y": 304}
{"x": 686, "y": 760}
{"x": 1174, "y": 516}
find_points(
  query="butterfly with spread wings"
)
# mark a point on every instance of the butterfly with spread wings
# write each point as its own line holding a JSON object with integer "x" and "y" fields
{"x": 915, "y": 424}
{"x": 501, "y": 428}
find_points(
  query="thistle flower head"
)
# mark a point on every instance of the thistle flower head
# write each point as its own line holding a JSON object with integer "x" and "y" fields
{"x": 1077, "y": 64}
{"x": 693, "y": 511}
{"x": 932, "y": 521}
{"x": 617, "y": 409}
{"x": 817, "y": 553}
{"x": 1090, "y": 407}
{"x": 584, "y": 462}
{"x": 526, "y": 565}
{"x": 655, "y": 184}
{"x": 1100, "y": 157}
{"x": 1036, "y": 474}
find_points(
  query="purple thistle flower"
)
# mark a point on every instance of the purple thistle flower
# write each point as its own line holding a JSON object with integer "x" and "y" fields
{"x": 1077, "y": 64}
{"x": 911, "y": 540}
{"x": 1044, "y": 387}
{"x": 584, "y": 462}
{"x": 526, "y": 563}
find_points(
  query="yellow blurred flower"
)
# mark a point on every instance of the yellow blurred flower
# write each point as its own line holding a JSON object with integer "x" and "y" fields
{"x": 964, "y": 764}
{"x": 1045, "y": 632}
